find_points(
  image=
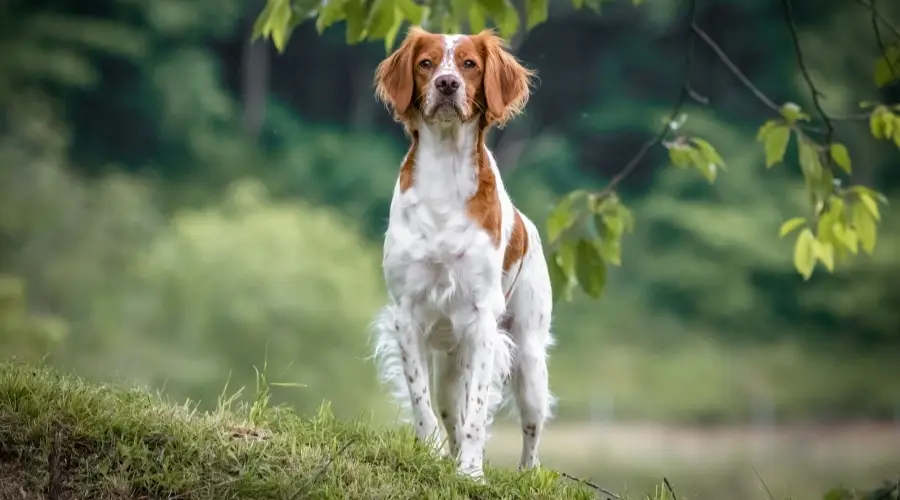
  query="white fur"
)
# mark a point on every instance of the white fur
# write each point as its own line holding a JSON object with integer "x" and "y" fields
{"x": 449, "y": 295}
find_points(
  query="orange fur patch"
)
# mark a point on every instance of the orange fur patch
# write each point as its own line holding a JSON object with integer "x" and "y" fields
{"x": 518, "y": 243}
{"x": 408, "y": 168}
{"x": 484, "y": 205}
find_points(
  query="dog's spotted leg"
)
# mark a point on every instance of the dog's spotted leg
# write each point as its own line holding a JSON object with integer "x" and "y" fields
{"x": 414, "y": 358}
{"x": 478, "y": 335}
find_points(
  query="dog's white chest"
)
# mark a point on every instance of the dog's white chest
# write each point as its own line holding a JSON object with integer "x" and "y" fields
{"x": 434, "y": 253}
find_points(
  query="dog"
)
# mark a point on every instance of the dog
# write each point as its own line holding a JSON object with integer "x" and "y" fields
{"x": 470, "y": 295}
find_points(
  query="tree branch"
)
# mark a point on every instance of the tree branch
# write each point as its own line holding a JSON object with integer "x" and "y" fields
{"x": 878, "y": 41}
{"x": 683, "y": 93}
{"x": 607, "y": 494}
{"x": 878, "y": 15}
{"x": 670, "y": 488}
{"x": 759, "y": 94}
{"x": 735, "y": 70}
{"x": 801, "y": 64}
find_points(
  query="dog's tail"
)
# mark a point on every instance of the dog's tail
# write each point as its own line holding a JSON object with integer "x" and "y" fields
{"x": 386, "y": 354}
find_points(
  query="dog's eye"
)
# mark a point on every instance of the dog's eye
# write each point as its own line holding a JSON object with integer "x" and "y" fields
{"x": 425, "y": 64}
{"x": 468, "y": 64}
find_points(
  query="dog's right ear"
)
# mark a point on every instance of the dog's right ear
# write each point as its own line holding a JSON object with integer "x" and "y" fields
{"x": 394, "y": 84}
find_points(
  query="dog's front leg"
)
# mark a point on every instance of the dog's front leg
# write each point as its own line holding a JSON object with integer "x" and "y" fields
{"x": 478, "y": 334}
{"x": 414, "y": 357}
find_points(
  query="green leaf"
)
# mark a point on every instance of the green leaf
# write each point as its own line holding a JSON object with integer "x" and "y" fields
{"x": 559, "y": 282}
{"x": 477, "y": 18}
{"x": 611, "y": 251}
{"x": 562, "y": 217}
{"x": 261, "y": 25}
{"x": 709, "y": 152}
{"x": 565, "y": 256}
{"x": 887, "y": 67}
{"x": 865, "y": 226}
{"x": 863, "y": 190}
{"x": 870, "y": 204}
{"x": 704, "y": 166}
{"x": 331, "y": 12}
{"x": 825, "y": 254}
{"x": 535, "y": 12}
{"x": 279, "y": 19}
{"x": 805, "y": 253}
{"x": 590, "y": 269}
{"x": 847, "y": 237}
{"x": 391, "y": 36}
{"x": 809, "y": 161}
{"x": 790, "y": 225}
{"x": 841, "y": 156}
{"x": 577, "y": 4}
{"x": 382, "y": 18}
{"x": 504, "y": 16}
{"x": 776, "y": 143}
{"x": 356, "y": 20}
{"x": 680, "y": 155}
{"x": 765, "y": 129}
{"x": 792, "y": 113}
{"x": 413, "y": 12}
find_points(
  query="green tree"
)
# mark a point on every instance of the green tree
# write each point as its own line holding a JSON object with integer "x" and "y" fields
{"x": 586, "y": 227}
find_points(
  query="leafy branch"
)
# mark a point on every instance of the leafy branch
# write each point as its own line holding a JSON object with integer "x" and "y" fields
{"x": 585, "y": 229}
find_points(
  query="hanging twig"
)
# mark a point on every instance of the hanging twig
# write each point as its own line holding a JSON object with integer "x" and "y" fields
{"x": 683, "y": 93}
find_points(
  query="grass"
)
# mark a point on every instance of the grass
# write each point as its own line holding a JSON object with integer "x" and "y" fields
{"x": 64, "y": 438}
{"x": 61, "y": 437}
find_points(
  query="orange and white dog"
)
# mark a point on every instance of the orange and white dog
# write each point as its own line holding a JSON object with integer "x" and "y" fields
{"x": 465, "y": 271}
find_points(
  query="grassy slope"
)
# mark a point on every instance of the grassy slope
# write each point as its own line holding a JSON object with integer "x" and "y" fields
{"x": 97, "y": 441}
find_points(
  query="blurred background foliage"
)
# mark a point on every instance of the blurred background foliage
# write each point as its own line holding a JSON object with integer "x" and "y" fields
{"x": 179, "y": 205}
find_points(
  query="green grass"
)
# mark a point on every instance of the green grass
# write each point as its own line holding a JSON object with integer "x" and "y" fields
{"x": 99, "y": 441}
{"x": 64, "y": 438}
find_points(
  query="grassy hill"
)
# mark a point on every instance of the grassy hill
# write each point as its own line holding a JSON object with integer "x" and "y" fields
{"x": 64, "y": 438}
{"x": 61, "y": 437}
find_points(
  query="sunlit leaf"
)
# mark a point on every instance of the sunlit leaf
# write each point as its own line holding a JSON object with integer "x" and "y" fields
{"x": 765, "y": 129}
{"x": 841, "y": 156}
{"x": 412, "y": 11}
{"x": 709, "y": 152}
{"x": 382, "y": 18}
{"x": 790, "y": 225}
{"x": 847, "y": 237}
{"x": 535, "y": 12}
{"x": 562, "y": 217}
{"x": 809, "y": 160}
{"x": 825, "y": 254}
{"x": 391, "y": 36}
{"x": 866, "y": 228}
{"x": 775, "y": 143}
{"x": 680, "y": 156}
{"x": 870, "y": 204}
{"x": 477, "y": 18}
{"x": 887, "y": 67}
{"x": 805, "y": 253}
{"x": 330, "y": 13}
{"x": 792, "y": 113}
{"x": 279, "y": 18}
{"x": 590, "y": 269}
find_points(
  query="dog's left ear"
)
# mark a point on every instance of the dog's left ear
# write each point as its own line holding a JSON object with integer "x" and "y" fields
{"x": 507, "y": 84}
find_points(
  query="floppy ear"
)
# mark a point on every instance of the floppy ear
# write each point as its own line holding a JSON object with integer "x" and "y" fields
{"x": 506, "y": 82}
{"x": 394, "y": 76}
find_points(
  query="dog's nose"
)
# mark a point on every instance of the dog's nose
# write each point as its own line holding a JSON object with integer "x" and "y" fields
{"x": 447, "y": 84}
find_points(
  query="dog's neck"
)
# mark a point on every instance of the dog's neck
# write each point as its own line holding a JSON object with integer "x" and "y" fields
{"x": 448, "y": 156}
